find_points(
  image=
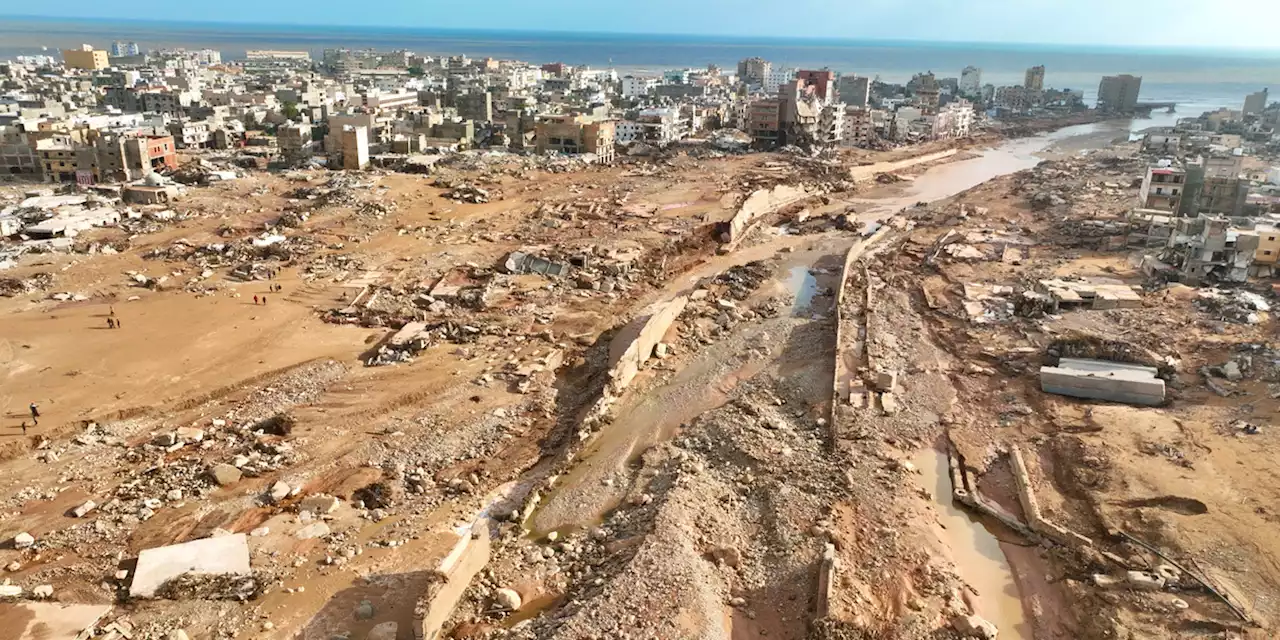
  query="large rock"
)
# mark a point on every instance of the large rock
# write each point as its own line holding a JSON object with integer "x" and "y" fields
{"x": 320, "y": 504}
{"x": 84, "y": 509}
{"x": 279, "y": 491}
{"x": 190, "y": 434}
{"x": 383, "y": 631}
{"x": 975, "y": 627}
{"x": 225, "y": 474}
{"x": 508, "y": 599}
{"x": 23, "y": 540}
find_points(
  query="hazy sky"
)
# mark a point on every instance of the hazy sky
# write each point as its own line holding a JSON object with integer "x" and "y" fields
{"x": 1198, "y": 23}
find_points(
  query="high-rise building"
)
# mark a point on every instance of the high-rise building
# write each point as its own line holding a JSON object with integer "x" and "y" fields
{"x": 1035, "y": 79}
{"x": 854, "y": 90}
{"x": 1255, "y": 103}
{"x": 971, "y": 81}
{"x": 754, "y": 70}
{"x": 1119, "y": 93}
{"x": 119, "y": 48}
{"x": 84, "y": 58}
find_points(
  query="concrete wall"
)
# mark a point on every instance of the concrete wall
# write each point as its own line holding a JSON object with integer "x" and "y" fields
{"x": 635, "y": 344}
{"x": 762, "y": 202}
{"x": 870, "y": 171}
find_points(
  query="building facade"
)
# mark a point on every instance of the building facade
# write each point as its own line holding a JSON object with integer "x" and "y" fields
{"x": 1119, "y": 94}
{"x": 1034, "y": 79}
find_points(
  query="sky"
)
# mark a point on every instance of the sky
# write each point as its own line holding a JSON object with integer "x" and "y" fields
{"x": 1166, "y": 23}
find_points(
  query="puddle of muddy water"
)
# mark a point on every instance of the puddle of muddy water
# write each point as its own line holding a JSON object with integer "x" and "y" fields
{"x": 976, "y": 552}
{"x": 801, "y": 283}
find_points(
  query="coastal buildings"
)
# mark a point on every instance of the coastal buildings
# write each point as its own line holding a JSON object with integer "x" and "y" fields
{"x": 1119, "y": 94}
{"x": 854, "y": 90}
{"x": 86, "y": 57}
{"x": 971, "y": 82}
{"x": 1034, "y": 79}
{"x": 754, "y": 71}
{"x": 119, "y": 48}
{"x": 1255, "y": 103}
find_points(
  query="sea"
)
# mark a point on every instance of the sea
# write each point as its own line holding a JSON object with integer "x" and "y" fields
{"x": 1196, "y": 79}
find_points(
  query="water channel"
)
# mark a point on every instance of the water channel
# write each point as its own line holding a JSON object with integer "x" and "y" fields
{"x": 590, "y": 489}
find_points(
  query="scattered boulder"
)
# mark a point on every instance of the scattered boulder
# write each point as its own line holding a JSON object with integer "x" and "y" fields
{"x": 383, "y": 631}
{"x": 42, "y": 592}
{"x": 84, "y": 509}
{"x": 279, "y": 491}
{"x": 23, "y": 540}
{"x": 364, "y": 611}
{"x": 508, "y": 599}
{"x": 975, "y": 627}
{"x": 320, "y": 504}
{"x": 225, "y": 474}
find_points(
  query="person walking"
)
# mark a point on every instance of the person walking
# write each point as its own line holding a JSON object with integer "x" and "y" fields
{"x": 111, "y": 323}
{"x": 24, "y": 427}
{"x": 35, "y": 413}
{"x": 255, "y": 299}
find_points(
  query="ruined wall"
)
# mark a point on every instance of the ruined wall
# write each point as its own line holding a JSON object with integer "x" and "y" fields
{"x": 870, "y": 171}
{"x": 634, "y": 346}
{"x": 762, "y": 202}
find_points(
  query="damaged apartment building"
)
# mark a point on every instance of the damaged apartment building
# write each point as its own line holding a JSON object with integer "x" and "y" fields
{"x": 1192, "y": 222}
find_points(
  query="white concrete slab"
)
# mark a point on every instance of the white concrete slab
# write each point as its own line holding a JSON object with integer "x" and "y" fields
{"x": 221, "y": 555}
{"x": 49, "y": 620}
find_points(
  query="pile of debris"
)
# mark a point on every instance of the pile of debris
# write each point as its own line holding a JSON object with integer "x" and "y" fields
{"x": 467, "y": 193}
{"x": 1238, "y": 306}
{"x": 10, "y": 287}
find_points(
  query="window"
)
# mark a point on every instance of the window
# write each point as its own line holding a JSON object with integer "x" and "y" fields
{"x": 1271, "y": 239}
{"x": 1266, "y": 253}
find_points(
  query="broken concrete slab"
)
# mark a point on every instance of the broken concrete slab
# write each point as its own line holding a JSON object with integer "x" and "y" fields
{"x": 84, "y": 509}
{"x": 50, "y": 620}
{"x": 224, "y": 555}
{"x": 1103, "y": 380}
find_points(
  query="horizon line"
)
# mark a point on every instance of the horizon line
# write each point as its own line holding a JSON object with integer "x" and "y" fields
{"x": 747, "y": 37}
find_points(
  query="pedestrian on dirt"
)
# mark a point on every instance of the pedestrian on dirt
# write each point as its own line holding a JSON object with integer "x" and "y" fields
{"x": 112, "y": 311}
{"x": 24, "y": 427}
{"x": 111, "y": 323}
{"x": 118, "y": 323}
{"x": 264, "y": 301}
{"x": 255, "y": 299}
{"x": 35, "y": 413}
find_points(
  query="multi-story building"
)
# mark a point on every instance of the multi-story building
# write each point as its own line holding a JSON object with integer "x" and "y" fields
{"x": 295, "y": 141}
{"x": 57, "y": 160}
{"x": 823, "y": 83}
{"x": 755, "y": 71}
{"x": 474, "y": 105}
{"x": 764, "y": 121}
{"x": 275, "y": 55}
{"x": 774, "y": 80}
{"x": 119, "y": 48}
{"x": 191, "y": 134}
{"x": 575, "y": 135}
{"x": 86, "y": 57}
{"x": 636, "y": 86}
{"x": 1255, "y": 103}
{"x": 925, "y": 88}
{"x": 858, "y": 128}
{"x": 661, "y": 126}
{"x": 854, "y": 90}
{"x": 953, "y": 121}
{"x": 390, "y": 101}
{"x": 1163, "y": 188}
{"x": 1034, "y": 79}
{"x": 971, "y": 82}
{"x": 17, "y": 153}
{"x": 355, "y": 147}
{"x": 1119, "y": 94}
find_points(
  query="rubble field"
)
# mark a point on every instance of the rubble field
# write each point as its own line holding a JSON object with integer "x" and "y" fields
{"x": 691, "y": 397}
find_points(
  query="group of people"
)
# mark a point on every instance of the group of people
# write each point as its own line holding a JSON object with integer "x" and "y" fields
{"x": 35, "y": 418}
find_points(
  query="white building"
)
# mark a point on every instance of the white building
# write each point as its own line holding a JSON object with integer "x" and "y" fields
{"x": 778, "y": 77}
{"x": 636, "y": 86}
{"x": 971, "y": 81}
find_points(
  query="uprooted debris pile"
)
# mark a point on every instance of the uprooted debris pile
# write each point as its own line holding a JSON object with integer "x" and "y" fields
{"x": 193, "y": 586}
{"x": 1237, "y": 305}
{"x": 467, "y": 193}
